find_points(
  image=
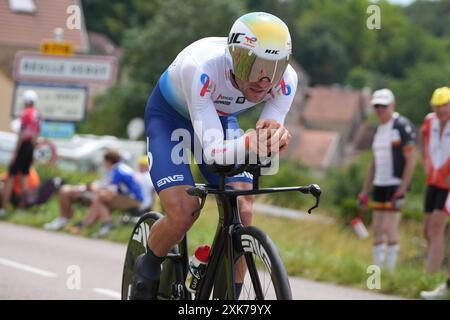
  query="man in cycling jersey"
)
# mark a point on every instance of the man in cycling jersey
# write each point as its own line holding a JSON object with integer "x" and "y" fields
{"x": 390, "y": 173}
{"x": 435, "y": 142}
{"x": 23, "y": 152}
{"x": 197, "y": 100}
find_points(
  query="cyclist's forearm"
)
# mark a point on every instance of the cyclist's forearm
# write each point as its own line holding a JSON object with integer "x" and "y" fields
{"x": 225, "y": 152}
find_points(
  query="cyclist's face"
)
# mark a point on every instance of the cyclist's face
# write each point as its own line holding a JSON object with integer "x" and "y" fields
{"x": 254, "y": 91}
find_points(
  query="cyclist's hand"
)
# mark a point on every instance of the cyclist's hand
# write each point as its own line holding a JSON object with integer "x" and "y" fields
{"x": 276, "y": 136}
{"x": 363, "y": 199}
{"x": 257, "y": 143}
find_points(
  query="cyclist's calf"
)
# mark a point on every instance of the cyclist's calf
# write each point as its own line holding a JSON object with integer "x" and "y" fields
{"x": 170, "y": 230}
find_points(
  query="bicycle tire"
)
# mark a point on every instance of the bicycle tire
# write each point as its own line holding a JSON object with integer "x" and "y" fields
{"x": 254, "y": 244}
{"x": 172, "y": 271}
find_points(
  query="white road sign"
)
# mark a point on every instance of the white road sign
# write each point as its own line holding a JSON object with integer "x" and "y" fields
{"x": 56, "y": 102}
{"x": 85, "y": 69}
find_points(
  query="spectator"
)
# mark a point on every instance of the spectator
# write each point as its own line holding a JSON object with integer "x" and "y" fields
{"x": 390, "y": 173}
{"x": 435, "y": 143}
{"x": 145, "y": 181}
{"x": 68, "y": 195}
{"x": 121, "y": 192}
{"x": 17, "y": 193}
{"x": 23, "y": 152}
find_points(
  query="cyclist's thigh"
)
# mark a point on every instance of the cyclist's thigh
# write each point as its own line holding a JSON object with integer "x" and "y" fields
{"x": 168, "y": 166}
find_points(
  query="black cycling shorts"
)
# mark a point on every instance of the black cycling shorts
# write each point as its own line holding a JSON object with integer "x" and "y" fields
{"x": 23, "y": 160}
{"x": 382, "y": 198}
{"x": 435, "y": 199}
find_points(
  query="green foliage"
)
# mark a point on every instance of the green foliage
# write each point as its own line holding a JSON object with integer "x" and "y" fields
{"x": 433, "y": 16}
{"x": 413, "y": 92}
{"x": 114, "y": 17}
{"x": 150, "y": 50}
{"x": 321, "y": 52}
{"x": 360, "y": 77}
{"x": 114, "y": 109}
{"x": 289, "y": 174}
{"x": 68, "y": 177}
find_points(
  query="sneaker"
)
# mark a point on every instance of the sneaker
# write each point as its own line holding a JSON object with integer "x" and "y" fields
{"x": 56, "y": 224}
{"x": 440, "y": 293}
{"x": 104, "y": 230}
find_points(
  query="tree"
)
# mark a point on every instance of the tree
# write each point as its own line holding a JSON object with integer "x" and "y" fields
{"x": 149, "y": 50}
{"x": 413, "y": 93}
{"x": 433, "y": 16}
{"x": 114, "y": 17}
{"x": 320, "y": 51}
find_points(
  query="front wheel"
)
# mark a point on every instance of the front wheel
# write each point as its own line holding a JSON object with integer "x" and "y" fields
{"x": 260, "y": 265}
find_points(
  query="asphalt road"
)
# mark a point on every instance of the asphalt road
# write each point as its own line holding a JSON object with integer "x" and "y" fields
{"x": 37, "y": 264}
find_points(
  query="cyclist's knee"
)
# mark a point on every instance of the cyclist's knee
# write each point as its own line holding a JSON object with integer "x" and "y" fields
{"x": 179, "y": 214}
{"x": 246, "y": 209}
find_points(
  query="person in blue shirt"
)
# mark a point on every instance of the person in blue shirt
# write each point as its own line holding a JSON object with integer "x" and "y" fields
{"x": 121, "y": 191}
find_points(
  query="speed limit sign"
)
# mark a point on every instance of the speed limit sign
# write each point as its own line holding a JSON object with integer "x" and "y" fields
{"x": 45, "y": 152}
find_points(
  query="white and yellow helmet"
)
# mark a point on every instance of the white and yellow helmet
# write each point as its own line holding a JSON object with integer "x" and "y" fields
{"x": 259, "y": 45}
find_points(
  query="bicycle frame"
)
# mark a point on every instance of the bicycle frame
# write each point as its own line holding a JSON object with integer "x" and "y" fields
{"x": 222, "y": 249}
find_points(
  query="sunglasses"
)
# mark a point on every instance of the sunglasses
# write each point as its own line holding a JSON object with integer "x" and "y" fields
{"x": 380, "y": 106}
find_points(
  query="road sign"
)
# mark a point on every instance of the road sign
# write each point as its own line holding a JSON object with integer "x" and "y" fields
{"x": 54, "y": 47}
{"x": 56, "y": 102}
{"x": 60, "y": 130}
{"x": 85, "y": 69}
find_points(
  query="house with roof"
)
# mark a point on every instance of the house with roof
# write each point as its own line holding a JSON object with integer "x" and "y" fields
{"x": 330, "y": 124}
{"x": 23, "y": 26}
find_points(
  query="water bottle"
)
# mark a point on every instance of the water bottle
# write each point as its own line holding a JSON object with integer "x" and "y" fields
{"x": 360, "y": 228}
{"x": 197, "y": 266}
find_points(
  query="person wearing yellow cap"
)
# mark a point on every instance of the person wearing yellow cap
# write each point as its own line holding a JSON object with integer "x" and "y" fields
{"x": 435, "y": 143}
{"x": 143, "y": 178}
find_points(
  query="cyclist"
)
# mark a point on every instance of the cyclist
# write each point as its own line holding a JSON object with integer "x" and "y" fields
{"x": 390, "y": 173}
{"x": 198, "y": 97}
{"x": 23, "y": 153}
{"x": 435, "y": 142}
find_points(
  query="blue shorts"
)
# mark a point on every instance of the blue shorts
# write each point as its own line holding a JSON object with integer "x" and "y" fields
{"x": 168, "y": 160}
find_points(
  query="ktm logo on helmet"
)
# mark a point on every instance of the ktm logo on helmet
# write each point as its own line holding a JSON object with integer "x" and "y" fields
{"x": 270, "y": 51}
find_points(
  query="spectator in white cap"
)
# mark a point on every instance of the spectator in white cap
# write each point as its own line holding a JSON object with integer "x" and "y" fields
{"x": 390, "y": 173}
{"x": 22, "y": 157}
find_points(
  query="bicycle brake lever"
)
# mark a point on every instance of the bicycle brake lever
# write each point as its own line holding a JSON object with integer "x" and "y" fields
{"x": 315, "y": 191}
{"x": 200, "y": 193}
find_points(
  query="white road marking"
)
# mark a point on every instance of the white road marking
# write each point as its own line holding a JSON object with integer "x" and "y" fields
{"x": 27, "y": 268}
{"x": 108, "y": 292}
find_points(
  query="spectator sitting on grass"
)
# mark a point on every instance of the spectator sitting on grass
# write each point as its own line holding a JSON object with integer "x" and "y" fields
{"x": 122, "y": 192}
{"x": 68, "y": 195}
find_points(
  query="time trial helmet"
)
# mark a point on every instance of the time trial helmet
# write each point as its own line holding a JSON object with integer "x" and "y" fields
{"x": 259, "y": 46}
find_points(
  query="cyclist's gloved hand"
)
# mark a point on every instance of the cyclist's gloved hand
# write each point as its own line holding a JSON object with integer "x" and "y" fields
{"x": 363, "y": 199}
